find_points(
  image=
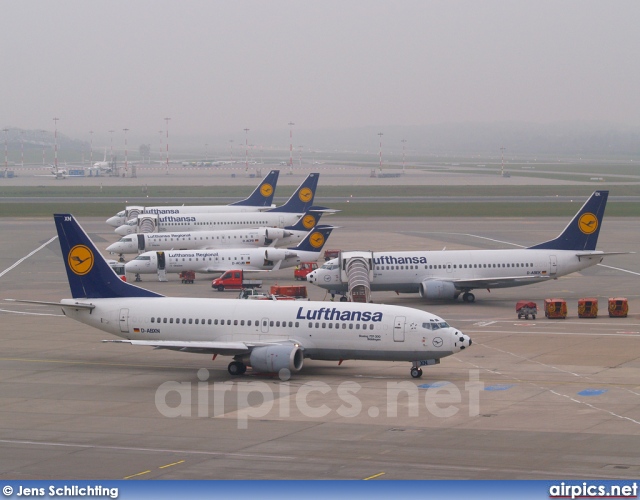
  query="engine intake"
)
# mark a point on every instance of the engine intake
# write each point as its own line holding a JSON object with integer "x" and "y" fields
{"x": 272, "y": 359}
{"x": 436, "y": 289}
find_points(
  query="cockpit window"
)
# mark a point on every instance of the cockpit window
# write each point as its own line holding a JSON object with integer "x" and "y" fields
{"x": 435, "y": 325}
{"x": 143, "y": 257}
{"x": 126, "y": 239}
{"x": 120, "y": 214}
{"x": 329, "y": 266}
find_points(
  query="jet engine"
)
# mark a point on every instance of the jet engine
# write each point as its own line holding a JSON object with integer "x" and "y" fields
{"x": 274, "y": 233}
{"x": 275, "y": 254}
{"x": 436, "y": 289}
{"x": 273, "y": 358}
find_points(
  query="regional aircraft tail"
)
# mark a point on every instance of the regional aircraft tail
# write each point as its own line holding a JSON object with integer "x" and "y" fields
{"x": 308, "y": 220}
{"x": 90, "y": 277}
{"x": 315, "y": 240}
{"x": 262, "y": 196}
{"x": 582, "y": 232}
{"x": 302, "y": 199}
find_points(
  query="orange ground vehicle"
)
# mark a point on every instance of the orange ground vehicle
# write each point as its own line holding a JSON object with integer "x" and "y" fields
{"x": 588, "y": 308}
{"x": 188, "y": 276}
{"x": 331, "y": 254}
{"x": 300, "y": 273}
{"x": 618, "y": 307}
{"x": 293, "y": 291}
{"x": 555, "y": 308}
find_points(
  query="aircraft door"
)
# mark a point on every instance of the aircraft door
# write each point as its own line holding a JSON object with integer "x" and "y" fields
{"x": 553, "y": 265}
{"x": 141, "y": 242}
{"x": 398, "y": 328}
{"x": 449, "y": 267}
{"x": 264, "y": 325}
{"x": 124, "y": 320}
{"x": 161, "y": 261}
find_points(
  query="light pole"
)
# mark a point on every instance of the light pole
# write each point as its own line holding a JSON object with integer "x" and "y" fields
{"x": 403, "y": 143}
{"x": 206, "y": 152}
{"x": 5, "y": 130}
{"x": 126, "y": 158}
{"x": 91, "y": 148}
{"x": 111, "y": 152}
{"x": 43, "y": 132}
{"x": 291, "y": 124}
{"x": 246, "y": 149}
{"x": 231, "y": 147}
{"x": 300, "y": 156}
{"x": 22, "y": 147}
{"x": 167, "y": 120}
{"x": 380, "y": 135}
{"x": 55, "y": 120}
{"x": 502, "y": 169}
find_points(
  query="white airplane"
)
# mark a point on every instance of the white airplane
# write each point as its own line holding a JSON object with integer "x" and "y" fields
{"x": 104, "y": 166}
{"x": 286, "y": 215}
{"x": 260, "y": 199}
{"x": 247, "y": 259}
{"x": 269, "y": 336}
{"x": 448, "y": 273}
{"x": 232, "y": 238}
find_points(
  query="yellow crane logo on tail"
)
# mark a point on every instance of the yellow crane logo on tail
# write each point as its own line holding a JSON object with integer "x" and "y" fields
{"x": 80, "y": 260}
{"x": 305, "y": 195}
{"x": 316, "y": 240}
{"x": 588, "y": 223}
{"x": 266, "y": 190}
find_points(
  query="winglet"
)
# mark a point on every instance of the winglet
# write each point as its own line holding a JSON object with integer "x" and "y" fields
{"x": 583, "y": 230}
{"x": 302, "y": 199}
{"x": 90, "y": 277}
{"x": 262, "y": 196}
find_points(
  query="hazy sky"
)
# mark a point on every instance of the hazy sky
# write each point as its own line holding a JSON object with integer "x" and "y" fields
{"x": 216, "y": 67}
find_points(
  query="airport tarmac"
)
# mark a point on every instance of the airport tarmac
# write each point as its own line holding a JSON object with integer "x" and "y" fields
{"x": 536, "y": 399}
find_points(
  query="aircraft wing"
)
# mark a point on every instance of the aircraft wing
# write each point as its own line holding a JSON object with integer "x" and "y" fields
{"x": 498, "y": 282}
{"x": 201, "y": 346}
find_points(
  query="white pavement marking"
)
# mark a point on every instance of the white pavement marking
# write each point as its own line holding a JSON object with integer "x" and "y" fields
{"x": 26, "y": 257}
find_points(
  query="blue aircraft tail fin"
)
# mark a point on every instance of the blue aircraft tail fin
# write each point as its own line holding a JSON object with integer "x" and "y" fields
{"x": 582, "y": 232}
{"x": 90, "y": 277}
{"x": 308, "y": 221}
{"x": 302, "y": 199}
{"x": 315, "y": 240}
{"x": 262, "y": 196}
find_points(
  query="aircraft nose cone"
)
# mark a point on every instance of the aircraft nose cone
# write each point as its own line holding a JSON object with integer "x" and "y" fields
{"x": 115, "y": 221}
{"x": 113, "y": 248}
{"x": 311, "y": 277}
{"x": 124, "y": 230}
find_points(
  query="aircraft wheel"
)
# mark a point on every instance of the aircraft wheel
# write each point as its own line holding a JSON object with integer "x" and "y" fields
{"x": 236, "y": 368}
{"x": 533, "y": 316}
{"x": 343, "y": 299}
{"x": 416, "y": 372}
{"x": 469, "y": 297}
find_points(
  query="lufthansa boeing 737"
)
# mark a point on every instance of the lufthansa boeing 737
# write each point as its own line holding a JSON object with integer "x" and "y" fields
{"x": 268, "y": 336}
{"x": 285, "y": 215}
{"x": 260, "y": 199}
{"x": 448, "y": 273}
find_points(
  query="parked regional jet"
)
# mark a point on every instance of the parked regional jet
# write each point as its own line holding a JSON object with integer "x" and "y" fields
{"x": 299, "y": 202}
{"x": 260, "y": 199}
{"x": 231, "y": 238}
{"x": 248, "y": 259}
{"x": 447, "y": 274}
{"x": 269, "y": 336}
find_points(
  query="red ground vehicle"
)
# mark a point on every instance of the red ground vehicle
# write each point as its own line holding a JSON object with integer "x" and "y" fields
{"x": 618, "y": 307}
{"x": 300, "y": 273}
{"x": 331, "y": 254}
{"x": 555, "y": 308}
{"x": 234, "y": 280}
{"x": 524, "y": 308}
{"x": 292, "y": 291}
{"x": 187, "y": 276}
{"x": 587, "y": 308}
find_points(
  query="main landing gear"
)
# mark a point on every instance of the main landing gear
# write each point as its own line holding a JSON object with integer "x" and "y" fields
{"x": 236, "y": 368}
{"x": 416, "y": 372}
{"x": 468, "y": 297}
